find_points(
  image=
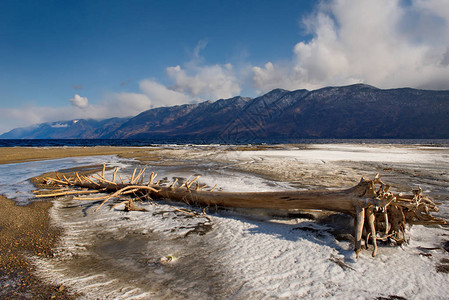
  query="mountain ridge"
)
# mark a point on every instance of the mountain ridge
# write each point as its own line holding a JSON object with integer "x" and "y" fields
{"x": 353, "y": 111}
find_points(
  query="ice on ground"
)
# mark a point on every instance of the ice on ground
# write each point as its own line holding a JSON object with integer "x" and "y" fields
{"x": 14, "y": 178}
{"x": 227, "y": 254}
{"x": 344, "y": 152}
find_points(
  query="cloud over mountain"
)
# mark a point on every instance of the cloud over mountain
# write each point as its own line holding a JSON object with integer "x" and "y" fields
{"x": 160, "y": 95}
{"x": 387, "y": 43}
{"x": 78, "y": 101}
{"x": 207, "y": 82}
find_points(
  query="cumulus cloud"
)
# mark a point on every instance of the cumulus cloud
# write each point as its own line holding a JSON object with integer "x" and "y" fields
{"x": 123, "y": 105}
{"x": 191, "y": 82}
{"x": 202, "y": 81}
{"x": 160, "y": 95}
{"x": 270, "y": 77}
{"x": 386, "y": 43}
{"x": 152, "y": 94}
{"x": 79, "y": 101}
{"x": 211, "y": 81}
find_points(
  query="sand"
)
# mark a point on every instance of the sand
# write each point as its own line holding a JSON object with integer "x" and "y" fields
{"x": 26, "y": 230}
{"x": 21, "y": 154}
{"x": 143, "y": 154}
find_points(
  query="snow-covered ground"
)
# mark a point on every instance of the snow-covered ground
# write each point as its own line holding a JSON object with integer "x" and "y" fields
{"x": 240, "y": 254}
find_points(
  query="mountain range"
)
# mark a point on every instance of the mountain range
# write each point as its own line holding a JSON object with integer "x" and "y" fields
{"x": 355, "y": 111}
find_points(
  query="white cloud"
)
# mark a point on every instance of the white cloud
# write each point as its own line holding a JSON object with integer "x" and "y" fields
{"x": 59, "y": 125}
{"x": 270, "y": 77}
{"x": 202, "y": 81}
{"x": 199, "y": 47}
{"x": 122, "y": 105}
{"x": 207, "y": 82}
{"x": 79, "y": 101}
{"x": 152, "y": 94}
{"x": 193, "y": 82}
{"x": 115, "y": 105}
{"x": 32, "y": 114}
{"x": 160, "y": 95}
{"x": 386, "y": 43}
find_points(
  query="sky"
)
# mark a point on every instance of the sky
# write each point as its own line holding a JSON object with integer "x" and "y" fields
{"x": 64, "y": 60}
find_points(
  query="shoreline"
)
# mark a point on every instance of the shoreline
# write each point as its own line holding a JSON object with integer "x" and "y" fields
{"x": 10, "y": 155}
{"x": 26, "y": 230}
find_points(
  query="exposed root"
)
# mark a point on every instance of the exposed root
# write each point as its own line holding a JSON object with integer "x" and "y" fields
{"x": 384, "y": 214}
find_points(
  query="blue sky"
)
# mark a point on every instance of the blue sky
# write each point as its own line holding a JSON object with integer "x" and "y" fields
{"x": 96, "y": 59}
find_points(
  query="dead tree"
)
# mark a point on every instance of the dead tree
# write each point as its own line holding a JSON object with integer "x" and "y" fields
{"x": 384, "y": 214}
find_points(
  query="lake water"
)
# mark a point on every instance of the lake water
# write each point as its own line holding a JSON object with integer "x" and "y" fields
{"x": 177, "y": 141}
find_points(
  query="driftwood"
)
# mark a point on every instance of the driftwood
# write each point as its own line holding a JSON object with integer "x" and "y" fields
{"x": 382, "y": 213}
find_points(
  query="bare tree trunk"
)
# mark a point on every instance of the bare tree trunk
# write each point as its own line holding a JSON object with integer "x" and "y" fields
{"x": 385, "y": 214}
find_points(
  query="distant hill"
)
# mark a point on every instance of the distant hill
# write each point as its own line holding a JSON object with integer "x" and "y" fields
{"x": 355, "y": 111}
{"x": 74, "y": 129}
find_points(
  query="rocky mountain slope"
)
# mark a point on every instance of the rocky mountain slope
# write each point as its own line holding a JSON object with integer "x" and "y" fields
{"x": 355, "y": 111}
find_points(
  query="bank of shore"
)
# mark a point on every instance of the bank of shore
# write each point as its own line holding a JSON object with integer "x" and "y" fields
{"x": 22, "y": 154}
{"x": 26, "y": 230}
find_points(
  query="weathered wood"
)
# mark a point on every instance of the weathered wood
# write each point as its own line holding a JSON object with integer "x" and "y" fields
{"x": 359, "y": 221}
{"x": 129, "y": 206}
{"x": 373, "y": 206}
{"x": 372, "y": 228}
{"x": 65, "y": 193}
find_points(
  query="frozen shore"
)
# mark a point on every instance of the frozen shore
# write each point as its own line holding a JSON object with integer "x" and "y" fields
{"x": 243, "y": 254}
